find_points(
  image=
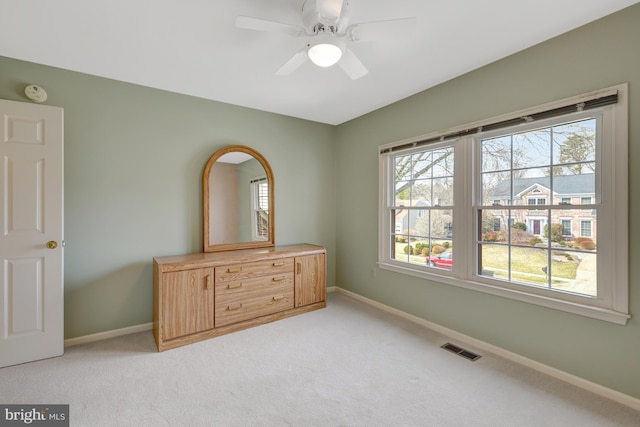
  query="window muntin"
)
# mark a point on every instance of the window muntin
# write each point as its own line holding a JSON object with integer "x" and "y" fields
{"x": 603, "y": 169}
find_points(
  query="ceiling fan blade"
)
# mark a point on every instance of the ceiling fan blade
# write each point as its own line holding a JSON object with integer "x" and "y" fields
{"x": 299, "y": 58}
{"x": 249, "y": 23}
{"x": 351, "y": 65}
{"x": 330, "y": 10}
{"x": 368, "y": 31}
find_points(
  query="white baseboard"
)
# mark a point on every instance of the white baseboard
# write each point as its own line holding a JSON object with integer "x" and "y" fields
{"x": 108, "y": 334}
{"x": 598, "y": 389}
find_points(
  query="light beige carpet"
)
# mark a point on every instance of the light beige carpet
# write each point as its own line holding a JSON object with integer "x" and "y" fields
{"x": 346, "y": 365}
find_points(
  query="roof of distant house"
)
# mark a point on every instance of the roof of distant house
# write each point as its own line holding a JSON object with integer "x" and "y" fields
{"x": 562, "y": 185}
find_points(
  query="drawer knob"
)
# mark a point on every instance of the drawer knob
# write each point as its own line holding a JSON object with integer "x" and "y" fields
{"x": 278, "y": 297}
{"x": 278, "y": 264}
{"x": 234, "y": 269}
{"x": 278, "y": 279}
{"x": 234, "y": 286}
{"x": 234, "y": 307}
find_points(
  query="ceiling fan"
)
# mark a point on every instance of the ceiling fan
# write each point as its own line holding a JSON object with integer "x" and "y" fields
{"x": 325, "y": 26}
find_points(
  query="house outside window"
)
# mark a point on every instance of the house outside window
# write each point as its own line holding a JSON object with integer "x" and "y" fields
{"x": 518, "y": 232}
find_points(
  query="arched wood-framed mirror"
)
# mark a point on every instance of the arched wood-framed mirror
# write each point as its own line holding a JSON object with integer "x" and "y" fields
{"x": 237, "y": 200}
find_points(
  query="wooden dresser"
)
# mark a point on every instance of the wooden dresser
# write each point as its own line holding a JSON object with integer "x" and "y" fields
{"x": 201, "y": 296}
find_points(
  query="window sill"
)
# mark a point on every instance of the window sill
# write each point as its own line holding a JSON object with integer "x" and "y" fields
{"x": 600, "y": 313}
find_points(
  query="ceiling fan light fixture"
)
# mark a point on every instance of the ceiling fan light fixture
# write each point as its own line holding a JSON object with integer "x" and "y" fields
{"x": 324, "y": 54}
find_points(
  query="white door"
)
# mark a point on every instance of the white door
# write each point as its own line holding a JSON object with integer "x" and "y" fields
{"x": 31, "y": 232}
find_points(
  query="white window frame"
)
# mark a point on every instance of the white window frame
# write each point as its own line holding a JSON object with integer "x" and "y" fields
{"x": 612, "y": 302}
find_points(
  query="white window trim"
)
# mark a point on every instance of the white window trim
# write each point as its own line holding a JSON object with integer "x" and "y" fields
{"x": 613, "y": 222}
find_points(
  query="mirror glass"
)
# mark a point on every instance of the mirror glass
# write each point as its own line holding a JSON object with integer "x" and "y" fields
{"x": 237, "y": 200}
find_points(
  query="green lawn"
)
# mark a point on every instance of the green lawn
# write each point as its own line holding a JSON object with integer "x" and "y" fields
{"x": 526, "y": 263}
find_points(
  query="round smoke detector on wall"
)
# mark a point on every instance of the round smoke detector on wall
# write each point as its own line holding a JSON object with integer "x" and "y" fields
{"x": 35, "y": 93}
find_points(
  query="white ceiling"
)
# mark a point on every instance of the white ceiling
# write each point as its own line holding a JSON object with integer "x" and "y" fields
{"x": 192, "y": 46}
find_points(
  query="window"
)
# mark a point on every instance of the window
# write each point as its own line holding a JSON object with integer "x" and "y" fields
{"x": 511, "y": 248}
{"x": 260, "y": 210}
{"x": 537, "y": 201}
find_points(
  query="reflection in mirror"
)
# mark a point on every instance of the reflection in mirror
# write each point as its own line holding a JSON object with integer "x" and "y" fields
{"x": 237, "y": 200}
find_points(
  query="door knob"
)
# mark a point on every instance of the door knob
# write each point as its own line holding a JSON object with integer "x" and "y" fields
{"x": 52, "y": 244}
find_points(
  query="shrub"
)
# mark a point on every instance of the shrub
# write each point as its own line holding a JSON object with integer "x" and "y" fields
{"x": 425, "y": 251}
{"x": 420, "y": 246}
{"x": 437, "y": 249}
{"x": 535, "y": 241}
{"x": 556, "y": 232}
{"x": 585, "y": 243}
{"x": 408, "y": 248}
{"x": 490, "y": 236}
{"x": 447, "y": 245}
{"x": 519, "y": 226}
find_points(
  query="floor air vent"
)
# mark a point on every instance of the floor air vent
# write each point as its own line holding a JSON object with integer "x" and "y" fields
{"x": 461, "y": 352}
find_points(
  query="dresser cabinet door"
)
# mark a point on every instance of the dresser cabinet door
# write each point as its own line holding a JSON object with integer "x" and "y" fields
{"x": 188, "y": 298}
{"x": 310, "y": 279}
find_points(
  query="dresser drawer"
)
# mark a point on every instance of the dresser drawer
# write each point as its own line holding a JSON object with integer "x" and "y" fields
{"x": 251, "y": 298}
{"x": 235, "y": 272}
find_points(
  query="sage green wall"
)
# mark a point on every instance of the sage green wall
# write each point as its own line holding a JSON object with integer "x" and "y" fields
{"x": 133, "y": 162}
{"x": 596, "y": 56}
{"x": 134, "y": 155}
